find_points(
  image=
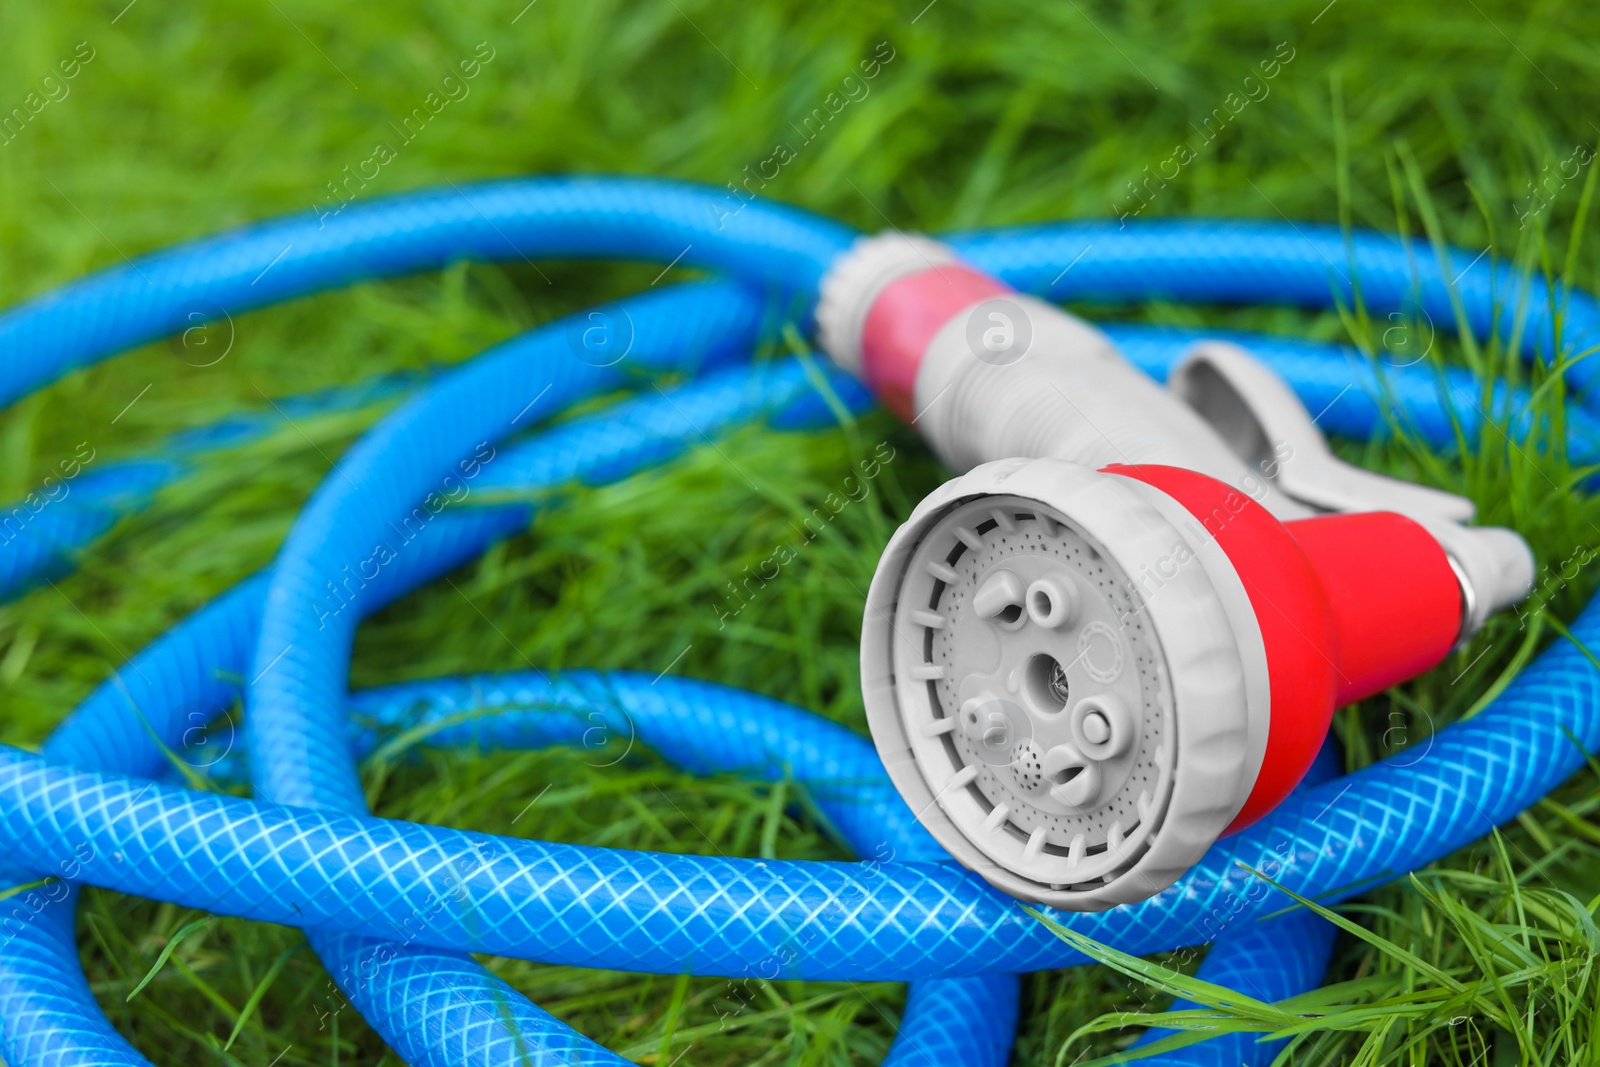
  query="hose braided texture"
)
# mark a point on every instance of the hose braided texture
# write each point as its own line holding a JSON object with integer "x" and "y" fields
{"x": 392, "y": 908}
{"x": 41, "y": 534}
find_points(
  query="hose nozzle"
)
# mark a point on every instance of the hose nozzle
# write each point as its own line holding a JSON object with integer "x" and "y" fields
{"x": 1081, "y": 679}
{"x": 1123, "y": 631}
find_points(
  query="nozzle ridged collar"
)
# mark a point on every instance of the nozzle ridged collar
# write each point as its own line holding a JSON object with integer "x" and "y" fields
{"x": 853, "y": 283}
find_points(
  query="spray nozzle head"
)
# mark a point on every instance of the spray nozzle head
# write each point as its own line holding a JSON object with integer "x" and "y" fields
{"x": 1032, "y": 635}
{"x": 1081, "y": 679}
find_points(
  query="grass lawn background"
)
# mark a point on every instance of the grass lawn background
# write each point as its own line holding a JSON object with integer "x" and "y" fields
{"x": 182, "y": 119}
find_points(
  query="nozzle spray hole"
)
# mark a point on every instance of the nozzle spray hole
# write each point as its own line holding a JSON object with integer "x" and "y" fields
{"x": 1046, "y": 683}
{"x": 1051, "y": 602}
{"x": 1000, "y": 598}
{"x": 1103, "y": 727}
{"x": 1067, "y": 774}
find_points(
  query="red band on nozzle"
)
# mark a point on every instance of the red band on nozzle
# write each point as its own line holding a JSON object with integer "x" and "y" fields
{"x": 1395, "y": 599}
{"x": 903, "y": 320}
{"x": 1348, "y": 605}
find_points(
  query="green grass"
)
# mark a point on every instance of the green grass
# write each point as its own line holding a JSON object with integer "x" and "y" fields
{"x": 194, "y": 117}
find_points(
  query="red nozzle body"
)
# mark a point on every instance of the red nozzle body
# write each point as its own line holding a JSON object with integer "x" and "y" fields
{"x": 1348, "y": 606}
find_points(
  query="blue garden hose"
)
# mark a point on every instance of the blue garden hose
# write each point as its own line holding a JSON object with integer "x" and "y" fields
{"x": 41, "y": 536}
{"x": 42, "y": 533}
{"x": 392, "y": 908}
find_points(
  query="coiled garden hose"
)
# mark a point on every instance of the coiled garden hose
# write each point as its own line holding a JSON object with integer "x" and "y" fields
{"x": 392, "y": 909}
{"x": 41, "y": 533}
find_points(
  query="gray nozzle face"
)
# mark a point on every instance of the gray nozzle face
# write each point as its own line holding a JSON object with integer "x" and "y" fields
{"x": 1052, "y": 685}
{"x": 1057, "y": 685}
